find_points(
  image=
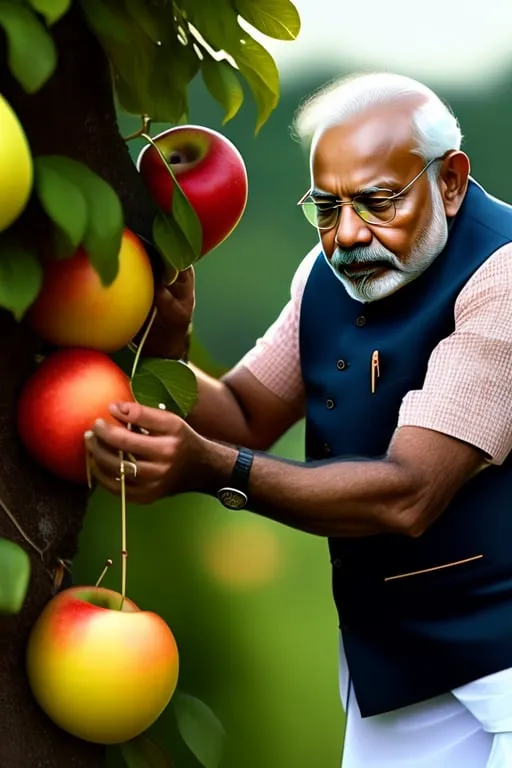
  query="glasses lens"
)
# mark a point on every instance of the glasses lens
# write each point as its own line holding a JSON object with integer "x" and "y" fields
{"x": 320, "y": 215}
{"x": 375, "y": 210}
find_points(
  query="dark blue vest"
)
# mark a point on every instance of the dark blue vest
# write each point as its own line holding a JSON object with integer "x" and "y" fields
{"x": 411, "y": 638}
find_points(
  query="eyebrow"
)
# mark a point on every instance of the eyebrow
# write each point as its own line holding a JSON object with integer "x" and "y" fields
{"x": 387, "y": 186}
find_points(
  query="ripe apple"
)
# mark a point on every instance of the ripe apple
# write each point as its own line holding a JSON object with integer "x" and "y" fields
{"x": 209, "y": 169}
{"x": 16, "y": 168}
{"x": 100, "y": 673}
{"x": 68, "y": 391}
{"x": 74, "y": 308}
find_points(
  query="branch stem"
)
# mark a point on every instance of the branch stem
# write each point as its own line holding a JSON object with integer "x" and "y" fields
{"x": 20, "y": 530}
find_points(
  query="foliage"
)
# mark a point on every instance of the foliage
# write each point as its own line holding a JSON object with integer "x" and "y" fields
{"x": 155, "y": 49}
{"x": 14, "y": 576}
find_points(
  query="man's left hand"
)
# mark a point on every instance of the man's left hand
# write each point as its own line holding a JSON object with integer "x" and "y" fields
{"x": 165, "y": 458}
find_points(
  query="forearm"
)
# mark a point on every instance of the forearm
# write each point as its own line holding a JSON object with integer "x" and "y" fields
{"x": 217, "y": 414}
{"x": 327, "y": 498}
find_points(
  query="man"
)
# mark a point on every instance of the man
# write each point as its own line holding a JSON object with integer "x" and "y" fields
{"x": 396, "y": 345}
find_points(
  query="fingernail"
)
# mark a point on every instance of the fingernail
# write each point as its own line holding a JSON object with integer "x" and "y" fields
{"x": 99, "y": 423}
{"x": 123, "y": 408}
{"x": 88, "y": 434}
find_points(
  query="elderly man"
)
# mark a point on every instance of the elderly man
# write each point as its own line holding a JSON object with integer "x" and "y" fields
{"x": 396, "y": 346}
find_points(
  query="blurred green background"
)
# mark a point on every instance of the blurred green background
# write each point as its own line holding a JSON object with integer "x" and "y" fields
{"x": 249, "y": 601}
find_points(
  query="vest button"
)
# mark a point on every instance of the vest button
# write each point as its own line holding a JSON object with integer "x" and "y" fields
{"x": 337, "y": 563}
{"x": 360, "y": 321}
{"x": 327, "y": 449}
{"x": 329, "y": 403}
{"x": 341, "y": 365}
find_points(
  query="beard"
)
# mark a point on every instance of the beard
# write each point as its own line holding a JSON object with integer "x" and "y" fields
{"x": 373, "y": 272}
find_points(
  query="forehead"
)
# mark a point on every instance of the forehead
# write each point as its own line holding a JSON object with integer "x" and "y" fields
{"x": 367, "y": 150}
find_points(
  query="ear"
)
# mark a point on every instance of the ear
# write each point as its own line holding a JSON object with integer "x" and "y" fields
{"x": 453, "y": 180}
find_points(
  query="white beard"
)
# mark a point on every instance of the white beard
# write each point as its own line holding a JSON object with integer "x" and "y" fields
{"x": 369, "y": 286}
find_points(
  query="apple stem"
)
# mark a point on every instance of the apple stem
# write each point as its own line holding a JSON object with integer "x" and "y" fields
{"x": 20, "y": 530}
{"x": 146, "y": 123}
{"x": 124, "y": 551}
{"x": 143, "y": 340}
{"x": 108, "y": 563}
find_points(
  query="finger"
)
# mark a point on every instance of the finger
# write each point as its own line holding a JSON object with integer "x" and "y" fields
{"x": 156, "y": 420}
{"x": 109, "y": 463}
{"x": 144, "y": 494}
{"x": 181, "y": 287}
{"x": 144, "y": 447}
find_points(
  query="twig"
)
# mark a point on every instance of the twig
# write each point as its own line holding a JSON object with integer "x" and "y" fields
{"x": 20, "y": 530}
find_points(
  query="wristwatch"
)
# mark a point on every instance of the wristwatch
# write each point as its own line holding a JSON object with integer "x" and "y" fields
{"x": 235, "y": 495}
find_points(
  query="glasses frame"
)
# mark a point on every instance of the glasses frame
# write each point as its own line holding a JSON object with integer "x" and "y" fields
{"x": 340, "y": 203}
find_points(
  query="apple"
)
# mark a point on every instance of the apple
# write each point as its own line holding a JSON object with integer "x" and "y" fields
{"x": 74, "y": 308}
{"x": 209, "y": 169}
{"x": 101, "y": 673}
{"x": 16, "y": 167}
{"x": 67, "y": 392}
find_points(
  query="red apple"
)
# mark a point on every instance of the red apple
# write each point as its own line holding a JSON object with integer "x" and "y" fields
{"x": 68, "y": 391}
{"x": 100, "y": 673}
{"x": 74, "y": 308}
{"x": 209, "y": 169}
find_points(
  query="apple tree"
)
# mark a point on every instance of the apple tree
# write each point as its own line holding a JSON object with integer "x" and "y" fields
{"x": 68, "y": 68}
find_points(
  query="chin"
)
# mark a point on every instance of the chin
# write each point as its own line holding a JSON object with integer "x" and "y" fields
{"x": 375, "y": 287}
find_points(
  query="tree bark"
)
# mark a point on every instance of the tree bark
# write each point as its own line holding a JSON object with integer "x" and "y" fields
{"x": 74, "y": 115}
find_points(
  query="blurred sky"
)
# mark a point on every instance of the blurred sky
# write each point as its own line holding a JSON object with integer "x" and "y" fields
{"x": 460, "y": 41}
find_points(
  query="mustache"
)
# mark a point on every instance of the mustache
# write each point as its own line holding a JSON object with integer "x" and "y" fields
{"x": 367, "y": 255}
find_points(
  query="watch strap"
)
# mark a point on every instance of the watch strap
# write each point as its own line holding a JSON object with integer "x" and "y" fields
{"x": 242, "y": 470}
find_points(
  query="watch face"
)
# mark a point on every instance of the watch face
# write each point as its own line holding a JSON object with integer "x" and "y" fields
{"x": 232, "y": 498}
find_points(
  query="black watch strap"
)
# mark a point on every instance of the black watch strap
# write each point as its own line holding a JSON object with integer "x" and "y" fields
{"x": 235, "y": 494}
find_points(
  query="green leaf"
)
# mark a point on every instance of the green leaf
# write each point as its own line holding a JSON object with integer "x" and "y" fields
{"x": 105, "y": 20}
{"x": 14, "y": 576}
{"x": 171, "y": 243}
{"x": 260, "y": 70}
{"x": 21, "y": 277}
{"x": 200, "y": 728}
{"x": 52, "y": 10}
{"x": 31, "y": 52}
{"x": 145, "y": 17}
{"x": 165, "y": 381}
{"x": 143, "y": 752}
{"x": 60, "y": 197}
{"x": 274, "y": 18}
{"x": 222, "y": 81}
{"x": 105, "y": 219}
{"x": 223, "y": 32}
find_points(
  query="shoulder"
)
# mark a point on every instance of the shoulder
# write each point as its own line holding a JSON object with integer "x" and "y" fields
{"x": 490, "y": 284}
{"x": 302, "y": 273}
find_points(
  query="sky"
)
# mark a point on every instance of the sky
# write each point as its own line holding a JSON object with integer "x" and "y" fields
{"x": 462, "y": 41}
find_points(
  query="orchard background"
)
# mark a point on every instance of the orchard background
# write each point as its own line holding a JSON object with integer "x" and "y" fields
{"x": 247, "y": 600}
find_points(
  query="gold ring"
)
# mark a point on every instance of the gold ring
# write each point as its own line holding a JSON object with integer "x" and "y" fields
{"x": 132, "y": 465}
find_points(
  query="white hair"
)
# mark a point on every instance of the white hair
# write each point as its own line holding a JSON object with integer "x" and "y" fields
{"x": 435, "y": 128}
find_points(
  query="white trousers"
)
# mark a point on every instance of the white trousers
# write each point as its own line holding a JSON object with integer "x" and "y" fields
{"x": 470, "y": 727}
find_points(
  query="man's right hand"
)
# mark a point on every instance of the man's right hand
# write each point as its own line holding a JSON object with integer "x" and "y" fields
{"x": 175, "y": 304}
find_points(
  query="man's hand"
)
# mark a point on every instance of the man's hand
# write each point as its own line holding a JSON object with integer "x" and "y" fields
{"x": 175, "y": 306}
{"x": 168, "y": 457}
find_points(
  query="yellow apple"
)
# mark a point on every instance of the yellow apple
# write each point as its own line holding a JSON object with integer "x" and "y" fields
{"x": 16, "y": 168}
{"x": 101, "y": 673}
{"x": 74, "y": 308}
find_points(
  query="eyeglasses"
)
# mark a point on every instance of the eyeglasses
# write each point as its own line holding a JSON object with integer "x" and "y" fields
{"x": 376, "y": 208}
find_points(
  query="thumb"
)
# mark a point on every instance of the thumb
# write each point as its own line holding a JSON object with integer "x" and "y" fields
{"x": 155, "y": 420}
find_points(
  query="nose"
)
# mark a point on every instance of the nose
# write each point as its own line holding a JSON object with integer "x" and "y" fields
{"x": 351, "y": 229}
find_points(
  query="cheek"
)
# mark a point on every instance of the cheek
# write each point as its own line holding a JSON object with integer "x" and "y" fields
{"x": 328, "y": 243}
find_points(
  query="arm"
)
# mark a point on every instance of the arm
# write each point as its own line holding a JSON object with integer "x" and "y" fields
{"x": 262, "y": 396}
{"x": 435, "y": 450}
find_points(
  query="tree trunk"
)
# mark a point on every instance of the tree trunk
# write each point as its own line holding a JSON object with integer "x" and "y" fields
{"x": 73, "y": 115}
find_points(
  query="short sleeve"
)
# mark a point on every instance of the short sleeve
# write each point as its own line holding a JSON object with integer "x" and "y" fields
{"x": 467, "y": 392}
{"x": 275, "y": 358}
